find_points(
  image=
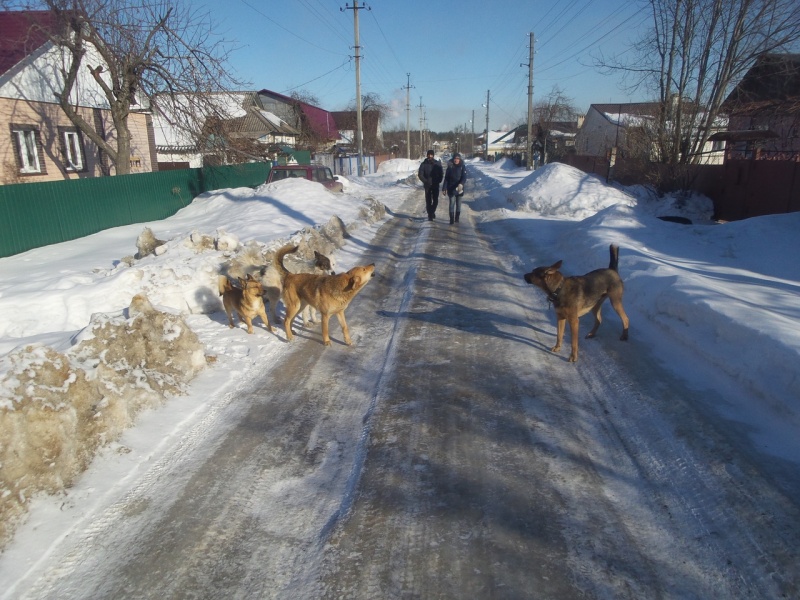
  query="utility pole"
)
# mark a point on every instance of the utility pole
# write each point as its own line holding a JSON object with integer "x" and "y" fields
{"x": 408, "y": 116}
{"x": 359, "y": 123}
{"x": 472, "y": 137}
{"x": 529, "y": 139}
{"x": 427, "y": 142}
{"x": 421, "y": 146}
{"x": 486, "y": 153}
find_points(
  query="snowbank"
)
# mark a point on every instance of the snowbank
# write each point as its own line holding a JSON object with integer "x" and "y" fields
{"x": 543, "y": 192}
{"x": 56, "y": 408}
{"x": 68, "y": 388}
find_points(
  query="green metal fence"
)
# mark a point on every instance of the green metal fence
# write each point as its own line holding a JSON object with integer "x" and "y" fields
{"x": 39, "y": 214}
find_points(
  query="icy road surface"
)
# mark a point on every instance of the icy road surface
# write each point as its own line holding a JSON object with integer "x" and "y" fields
{"x": 447, "y": 454}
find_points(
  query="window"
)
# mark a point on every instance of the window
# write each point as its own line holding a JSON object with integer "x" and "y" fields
{"x": 72, "y": 149}
{"x": 26, "y": 142}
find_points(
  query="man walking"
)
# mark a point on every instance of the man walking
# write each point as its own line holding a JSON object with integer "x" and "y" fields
{"x": 431, "y": 174}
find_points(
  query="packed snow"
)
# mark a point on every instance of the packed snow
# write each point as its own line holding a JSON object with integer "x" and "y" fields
{"x": 108, "y": 338}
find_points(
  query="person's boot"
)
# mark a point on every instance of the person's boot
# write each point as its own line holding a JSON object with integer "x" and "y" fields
{"x": 452, "y": 218}
{"x": 458, "y": 213}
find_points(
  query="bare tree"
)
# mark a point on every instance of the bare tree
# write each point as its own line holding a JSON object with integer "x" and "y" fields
{"x": 141, "y": 53}
{"x": 305, "y": 97}
{"x": 557, "y": 107}
{"x": 693, "y": 55}
{"x": 371, "y": 102}
{"x": 374, "y": 111}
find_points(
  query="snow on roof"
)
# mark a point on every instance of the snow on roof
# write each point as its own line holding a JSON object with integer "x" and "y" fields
{"x": 273, "y": 118}
{"x": 626, "y": 119}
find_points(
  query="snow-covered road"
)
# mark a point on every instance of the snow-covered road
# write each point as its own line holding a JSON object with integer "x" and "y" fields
{"x": 448, "y": 453}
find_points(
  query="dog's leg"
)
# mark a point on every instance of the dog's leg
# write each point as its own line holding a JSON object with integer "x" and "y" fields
{"x": 598, "y": 319}
{"x": 273, "y": 295}
{"x": 616, "y": 303}
{"x": 230, "y": 317}
{"x": 562, "y": 323}
{"x": 292, "y": 309}
{"x": 247, "y": 320}
{"x": 265, "y": 319}
{"x": 574, "y": 324}
{"x": 345, "y": 330}
{"x": 307, "y": 314}
{"x": 326, "y": 338}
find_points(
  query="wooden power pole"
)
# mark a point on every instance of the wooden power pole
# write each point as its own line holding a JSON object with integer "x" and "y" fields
{"x": 529, "y": 139}
{"x": 359, "y": 123}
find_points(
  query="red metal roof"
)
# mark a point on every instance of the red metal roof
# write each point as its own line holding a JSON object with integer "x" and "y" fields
{"x": 21, "y": 32}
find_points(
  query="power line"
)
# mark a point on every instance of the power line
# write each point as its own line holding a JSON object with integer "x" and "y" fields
{"x": 328, "y": 20}
{"x": 277, "y": 24}
{"x": 547, "y": 67}
{"x": 320, "y": 77}
{"x": 378, "y": 25}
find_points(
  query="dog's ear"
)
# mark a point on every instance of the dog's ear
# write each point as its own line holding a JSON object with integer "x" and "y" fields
{"x": 556, "y": 266}
{"x": 352, "y": 282}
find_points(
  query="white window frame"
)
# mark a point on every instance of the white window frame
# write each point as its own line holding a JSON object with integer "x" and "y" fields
{"x": 28, "y": 150}
{"x": 73, "y": 150}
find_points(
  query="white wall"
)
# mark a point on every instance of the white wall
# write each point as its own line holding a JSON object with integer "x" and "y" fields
{"x": 39, "y": 77}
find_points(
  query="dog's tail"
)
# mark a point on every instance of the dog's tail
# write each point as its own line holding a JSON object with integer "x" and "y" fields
{"x": 614, "y": 262}
{"x": 224, "y": 284}
{"x": 278, "y": 260}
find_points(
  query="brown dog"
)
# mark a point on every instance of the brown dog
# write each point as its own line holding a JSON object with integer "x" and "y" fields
{"x": 246, "y": 301}
{"x": 273, "y": 285}
{"x": 329, "y": 294}
{"x": 573, "y": 297}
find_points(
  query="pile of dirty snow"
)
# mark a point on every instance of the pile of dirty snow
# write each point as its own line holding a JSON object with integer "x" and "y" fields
{"x": 57, "y": 409}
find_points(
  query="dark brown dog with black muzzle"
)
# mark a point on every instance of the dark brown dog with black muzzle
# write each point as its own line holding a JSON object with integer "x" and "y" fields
{"x": 573, "y": 297}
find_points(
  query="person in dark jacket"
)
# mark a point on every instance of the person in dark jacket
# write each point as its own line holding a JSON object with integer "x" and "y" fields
{"x": 454, "y": 180}
{"x": 431, "y": 173}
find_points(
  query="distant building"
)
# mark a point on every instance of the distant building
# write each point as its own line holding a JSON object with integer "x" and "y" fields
{"x": 627, "y": 127}
{"x": 347, "y": 123}
{"x": 230, "y": 127}
{"x": 317, "y": 127}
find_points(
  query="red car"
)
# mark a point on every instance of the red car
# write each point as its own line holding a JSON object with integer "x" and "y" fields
{"x": 316, "y": 173}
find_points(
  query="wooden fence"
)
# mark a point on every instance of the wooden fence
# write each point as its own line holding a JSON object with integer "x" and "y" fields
{"x": 738, "y": 188}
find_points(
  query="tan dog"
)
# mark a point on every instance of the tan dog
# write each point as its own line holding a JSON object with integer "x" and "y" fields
{"x": 329, "y": 294}
{"x": 273, "y": 285}
{"x": 246, "y": 301}
{"x": 573, "y": 297}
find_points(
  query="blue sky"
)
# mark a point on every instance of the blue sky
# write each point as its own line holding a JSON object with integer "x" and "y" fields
{"x": 454, "y": 52}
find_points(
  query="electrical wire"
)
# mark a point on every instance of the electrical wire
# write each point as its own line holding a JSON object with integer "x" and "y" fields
{"x": 316, "y": 78}
{"x": 277, "y": 24}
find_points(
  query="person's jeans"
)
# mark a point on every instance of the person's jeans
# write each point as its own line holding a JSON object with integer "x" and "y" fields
{"x": 455, "y": 204}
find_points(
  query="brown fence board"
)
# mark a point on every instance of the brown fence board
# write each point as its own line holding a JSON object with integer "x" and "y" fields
{"x": 739, "y": 188}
